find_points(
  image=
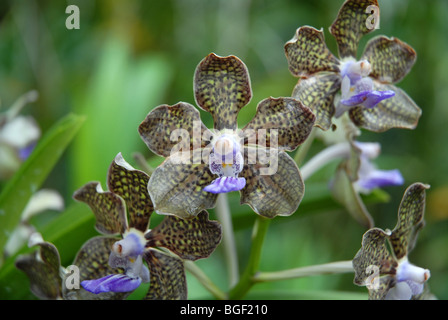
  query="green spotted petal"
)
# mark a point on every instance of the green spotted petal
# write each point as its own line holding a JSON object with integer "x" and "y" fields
{"x": 177, "y": 188}
{"x": 109, "y": 209}
{"x": 410, "y": 219}
{"x": 390, "y": 59}
{"x": 190, "y": 239}
{"x": 344, "y": 192}
{"x": 131, "y": 185}
{"x": 274, "y": 186}
{"x": 373, "y": 254}
{"x": 222, "y": 87}
{"x": 399, "y": 111}
{"x": 168, "y": 129}
{"x": 318, "y": 93}
{"x": 93, "y": 263}
{"x": 285, "y": 118}
{"x": 167, "y": 277}
{"x": 350, "y": 25}
{"x": 307, "y": 53}
{"x": 42, "y": 269}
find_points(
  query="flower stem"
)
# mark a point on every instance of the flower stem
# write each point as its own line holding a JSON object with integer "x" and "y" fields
{"x": 204, "y": 280}
{"x": 327, "y": 268}
{"x": 228, "y": 239}
{"x": 247, "y": 280}
{"x": 340, "y": 150}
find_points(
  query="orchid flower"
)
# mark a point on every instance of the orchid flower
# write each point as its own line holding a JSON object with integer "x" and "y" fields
{"x": 206, "y": 162}
{"x": 127, "y": 253}
{"x": 366, "y": 86}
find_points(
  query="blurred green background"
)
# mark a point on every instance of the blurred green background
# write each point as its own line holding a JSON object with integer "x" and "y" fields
{"x": 130, "y": 56}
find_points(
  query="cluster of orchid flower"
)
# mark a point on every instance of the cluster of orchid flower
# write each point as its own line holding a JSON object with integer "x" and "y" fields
{"x": 334, "y": 99}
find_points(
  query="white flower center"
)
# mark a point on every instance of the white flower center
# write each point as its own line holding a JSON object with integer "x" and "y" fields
{"x": 132, "y": 244}
{"x": 355, "y": 70}
{"x": 354, "y": 76}
{"x": 127, "y": 254}
{"x": 407, "y": 271}
{"x": 226, "y": 158}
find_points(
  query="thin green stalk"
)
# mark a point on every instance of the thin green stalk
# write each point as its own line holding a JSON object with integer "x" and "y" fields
{"x": 204, "y": 280}
{"x": 247, "y": 280}
{"x": 228, "y": 239}
{"x": 327, "y": 268}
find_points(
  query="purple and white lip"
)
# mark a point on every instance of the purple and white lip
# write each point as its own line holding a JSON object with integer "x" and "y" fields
{"x": 226, "y": 161}
{"x": 410, "y": 281}
{"x": 126, "y": 254}
{"x": 357, "y": 88}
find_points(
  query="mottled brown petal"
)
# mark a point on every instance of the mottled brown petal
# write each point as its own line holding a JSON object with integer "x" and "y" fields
{"x": 385, "y": 284}
{"x": 344, "y": 193}
{"x": 350, "y": 25}
{"x": 168, "y": 129}
{"x": 390, "y": 59}
{"x": 93, "y": 263}
{"x": 109, "y": 209}
{"x": 410, "y": 219}
{"x": 131, "y": 185}
{"x": 190, "y": 239}
{"x": 318, "y": 93}
{"x": 177, "y": 188}
{"x": 373, "y": 254}
{"x": 288, "y": 119}
{"x": 396, "y": 112}
{"x": 222, "y": 87}
{"x": 307, "y": 53}
{"x": 279, "y": 190}
{"x": 167, "y": 275}
{"x": 42, "y": 269}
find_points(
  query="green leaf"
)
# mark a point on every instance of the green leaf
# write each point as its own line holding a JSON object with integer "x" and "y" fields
{"x": 33, "y": 172}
